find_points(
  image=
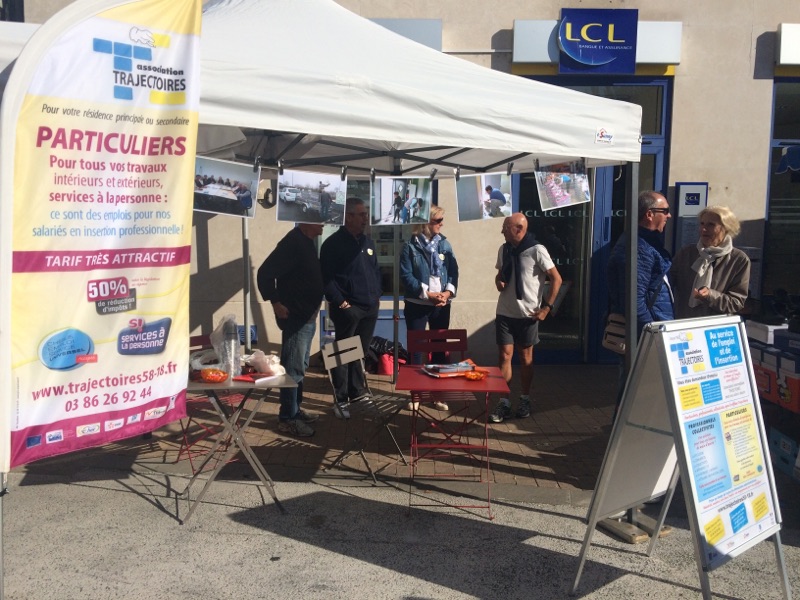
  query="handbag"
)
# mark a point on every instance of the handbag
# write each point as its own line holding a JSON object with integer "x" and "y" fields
{"x": 614, "y": 333}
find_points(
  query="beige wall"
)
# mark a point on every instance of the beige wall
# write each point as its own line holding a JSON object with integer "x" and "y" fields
{"x": 720, "y": 133}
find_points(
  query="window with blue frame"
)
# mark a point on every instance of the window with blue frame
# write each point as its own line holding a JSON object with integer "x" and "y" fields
{"x": 781, "y": 270}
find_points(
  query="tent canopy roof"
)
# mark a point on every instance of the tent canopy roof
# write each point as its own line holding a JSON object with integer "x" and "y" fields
{"x": 316, "y": 86}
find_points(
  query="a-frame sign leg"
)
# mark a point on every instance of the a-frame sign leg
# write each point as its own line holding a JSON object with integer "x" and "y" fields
{"x": 787, "y": 591}
{"x": 664, "y": 509}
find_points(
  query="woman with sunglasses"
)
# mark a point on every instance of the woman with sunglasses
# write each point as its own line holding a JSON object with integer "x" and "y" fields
{"x": 429, "y": 272}
{"x": 711, "y": 277}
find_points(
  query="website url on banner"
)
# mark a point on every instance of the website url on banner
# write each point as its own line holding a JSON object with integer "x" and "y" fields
{"x": 101, "y": 383}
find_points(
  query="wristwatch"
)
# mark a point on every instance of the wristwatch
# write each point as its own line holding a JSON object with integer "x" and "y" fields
{"x": 546, "y": 304}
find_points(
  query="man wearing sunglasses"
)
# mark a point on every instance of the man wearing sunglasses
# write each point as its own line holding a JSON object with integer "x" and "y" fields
{"x": 653, "y": 290}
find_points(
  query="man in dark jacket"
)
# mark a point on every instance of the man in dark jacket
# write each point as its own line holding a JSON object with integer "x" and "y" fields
{"x": 653, "y": 292}
{"x": 353, "y": 289}
{"x": 291, "y": 279}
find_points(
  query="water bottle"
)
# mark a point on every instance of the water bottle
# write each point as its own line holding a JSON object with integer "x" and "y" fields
{"x": 231, "y": 360}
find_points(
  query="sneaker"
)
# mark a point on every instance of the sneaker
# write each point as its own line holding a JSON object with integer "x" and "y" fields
{"x": 412, "y": 405}
{"x": 295, "y": 427}
{"x": 441, "y": 405}
{"x": 501, "y": 412}
{"x": 524, "y": 409}
{"x": 340, "y": 411}
{"x": 362, "y": 398}
{"x": 305, "y": 417}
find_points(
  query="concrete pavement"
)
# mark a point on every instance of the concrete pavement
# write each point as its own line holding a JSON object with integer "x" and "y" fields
{"x": 104, "y": 523}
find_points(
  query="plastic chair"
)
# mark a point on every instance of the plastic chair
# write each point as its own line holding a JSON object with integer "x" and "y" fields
{"x": 380, "y": 410}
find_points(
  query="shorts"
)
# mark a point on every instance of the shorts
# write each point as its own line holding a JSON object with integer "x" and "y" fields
{"x": 516, "y": 332}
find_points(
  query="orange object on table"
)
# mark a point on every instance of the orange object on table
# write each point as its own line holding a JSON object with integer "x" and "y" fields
{"x": 213, "y": 375}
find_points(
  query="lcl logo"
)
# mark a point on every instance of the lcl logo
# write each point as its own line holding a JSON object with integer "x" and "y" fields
{"x": 585, "y": 35}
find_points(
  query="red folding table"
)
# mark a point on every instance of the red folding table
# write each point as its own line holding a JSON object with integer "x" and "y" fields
{"x": 435, "y": 434}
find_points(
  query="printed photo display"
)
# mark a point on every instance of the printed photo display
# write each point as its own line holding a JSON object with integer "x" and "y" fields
{"x": 225, "y": 187}
{"x": 483, "y": 196}
{"x": 401, "y": 201}
{"x": 308, "y": 197}
{"x": 562, "y": 185}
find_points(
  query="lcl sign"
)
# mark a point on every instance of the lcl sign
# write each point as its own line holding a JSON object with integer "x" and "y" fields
{"x": 598, "y": 41}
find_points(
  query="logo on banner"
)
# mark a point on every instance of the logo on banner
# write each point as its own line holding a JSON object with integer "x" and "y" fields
{"x": 134, "y": 68}
{"x": 598, "y": 41}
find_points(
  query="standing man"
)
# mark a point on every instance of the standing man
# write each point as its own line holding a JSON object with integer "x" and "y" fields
{"x": 291, "y": 279}
{"x": 397, "y": 203}
{"x": 522, "y": 268}
{"x": 653, "y": 291}
{"x": 654, "y": 300}
{"x": 325, "y": 202}
{"x": 352, "y": 282}
{"x": 496, "y": 200}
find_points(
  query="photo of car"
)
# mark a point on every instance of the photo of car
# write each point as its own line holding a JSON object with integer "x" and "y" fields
{"x": 289, "y": 194}
{"x": 311, "y": 197}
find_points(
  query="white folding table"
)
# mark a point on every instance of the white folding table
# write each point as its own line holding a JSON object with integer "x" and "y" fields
{"x": 234, "y": 430}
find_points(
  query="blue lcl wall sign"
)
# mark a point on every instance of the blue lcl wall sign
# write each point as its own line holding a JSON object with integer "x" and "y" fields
{"x": 598, "y": 41}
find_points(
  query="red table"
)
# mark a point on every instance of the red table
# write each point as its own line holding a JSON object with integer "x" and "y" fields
{"x": 438, "y": 433}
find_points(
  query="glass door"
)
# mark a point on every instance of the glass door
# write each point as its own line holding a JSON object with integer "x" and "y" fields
{"x": 580, "y": 238}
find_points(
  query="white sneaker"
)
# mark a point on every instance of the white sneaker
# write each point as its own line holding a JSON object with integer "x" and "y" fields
{"x": 441, "y": 405}
{"x": 412, "y": 405}
{"x": 340, "y": 411}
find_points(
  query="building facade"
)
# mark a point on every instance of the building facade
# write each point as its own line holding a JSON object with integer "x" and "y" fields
{"x": 719, "y": 83}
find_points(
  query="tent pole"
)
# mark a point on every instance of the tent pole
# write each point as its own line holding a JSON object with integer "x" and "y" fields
{"x": 395, "y": 302}
{"x": 632, "y": 241}
{"x": 246, "y": 288}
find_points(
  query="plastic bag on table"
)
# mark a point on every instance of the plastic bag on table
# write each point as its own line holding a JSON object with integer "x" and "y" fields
{"x": 269, "y": 364}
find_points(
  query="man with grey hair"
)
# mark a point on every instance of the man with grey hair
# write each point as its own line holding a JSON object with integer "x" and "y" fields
{"x": 653, "y": 291}
{"x": 654, "y": 300}
{"x": 352, "y": 282}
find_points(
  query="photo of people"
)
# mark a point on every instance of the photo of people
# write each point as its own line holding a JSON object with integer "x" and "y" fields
{"x": 307, "y": 197}
{"x": 225, "y": 187}
{"x": 401, "y": 201}
{"x": 562, "y": 185}
{"x": 483, "y": 196}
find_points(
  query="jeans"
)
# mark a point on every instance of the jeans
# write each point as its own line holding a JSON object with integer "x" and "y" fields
{"x": 417, "y": 317}
{"x": 350, "y": 381}
{"x": 295, "y": 354}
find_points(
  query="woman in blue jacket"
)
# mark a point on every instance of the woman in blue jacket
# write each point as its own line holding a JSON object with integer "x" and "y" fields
{"x": 429, "y": 272}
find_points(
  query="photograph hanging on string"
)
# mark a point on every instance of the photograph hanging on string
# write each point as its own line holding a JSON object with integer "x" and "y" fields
{"x": 401, "y": 201}
{"x": 225, "y": 187}
{"x": 484, "y": 196}
{"x": 563, "y": 184}
{"x": 310, "y": 197}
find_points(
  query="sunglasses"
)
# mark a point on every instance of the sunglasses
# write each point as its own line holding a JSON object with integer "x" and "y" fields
{"x": 438, "y": 221}
{"x": 663, "y": 211}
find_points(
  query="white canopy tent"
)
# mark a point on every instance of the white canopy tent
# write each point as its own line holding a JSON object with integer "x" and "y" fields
{"x": 313, "y": 85}
{"x": 317, "y": 84}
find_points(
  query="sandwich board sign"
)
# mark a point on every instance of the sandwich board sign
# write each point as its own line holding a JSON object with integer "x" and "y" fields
{"x": 690, "y": 411}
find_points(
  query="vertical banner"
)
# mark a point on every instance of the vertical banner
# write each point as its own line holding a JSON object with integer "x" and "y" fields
{"x": 104, "y": 127}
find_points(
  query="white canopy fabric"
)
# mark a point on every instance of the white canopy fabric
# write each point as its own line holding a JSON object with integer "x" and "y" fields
{"x": 315, "y": 68}
{"x": 314, "y": 84}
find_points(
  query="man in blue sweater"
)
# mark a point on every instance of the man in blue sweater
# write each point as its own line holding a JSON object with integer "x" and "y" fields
{"x": 352, "y": 282}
